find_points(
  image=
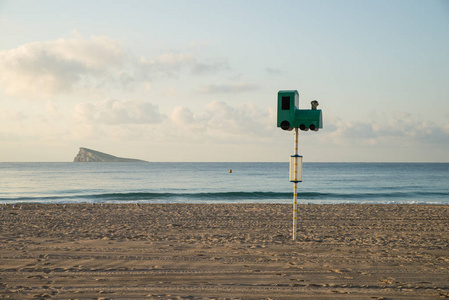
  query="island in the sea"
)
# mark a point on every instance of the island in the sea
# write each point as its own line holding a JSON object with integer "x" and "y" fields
{"x": 89, "y": 155}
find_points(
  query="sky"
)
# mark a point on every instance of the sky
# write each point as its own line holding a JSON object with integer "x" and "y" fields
{"x": 198, "y": 80}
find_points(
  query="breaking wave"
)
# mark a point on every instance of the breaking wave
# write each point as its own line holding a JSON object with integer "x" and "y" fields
{"x": 229, "y": 197}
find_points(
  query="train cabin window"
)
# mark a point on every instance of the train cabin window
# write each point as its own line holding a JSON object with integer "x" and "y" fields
{"x": 286, "y": 103}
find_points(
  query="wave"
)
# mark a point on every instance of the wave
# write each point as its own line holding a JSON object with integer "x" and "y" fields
{"x": 136, "y": 196}
{"x": 227, "y": 196}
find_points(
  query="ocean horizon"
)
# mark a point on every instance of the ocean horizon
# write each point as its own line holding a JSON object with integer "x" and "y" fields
{"x": 212, "y": 182}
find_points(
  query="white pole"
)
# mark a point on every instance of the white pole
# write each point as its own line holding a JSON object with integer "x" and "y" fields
{"x": 295, "y": 189}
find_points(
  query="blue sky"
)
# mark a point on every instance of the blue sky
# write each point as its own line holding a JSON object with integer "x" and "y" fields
{"x": 197, "y": 80}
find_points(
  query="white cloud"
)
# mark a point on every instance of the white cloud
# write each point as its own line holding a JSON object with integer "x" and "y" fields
{"x": 171, "y": 64}
{"x": 85, "y": 132}
{"x": 52, "y": 110}
{"x": 174, "y": 60}
{"x": 11, "y": 115}
{"x": 182, "y": 115}
{"x": 49, "y": 68}
{"x": 227, "y": 88}
{"x": 97, "y": 53}
{"x": 168, "y": 64}
{"x": 202, "y": 68}
{"x": 223, "y": 123}
{"x": 115, "y": 112}
{"x": 274, "y": 71}
{"x": 218, "y": 122}
{"x": 399, "y": 128}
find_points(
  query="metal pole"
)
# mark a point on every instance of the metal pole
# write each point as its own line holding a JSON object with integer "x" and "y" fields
{"x": 295, "y": 189}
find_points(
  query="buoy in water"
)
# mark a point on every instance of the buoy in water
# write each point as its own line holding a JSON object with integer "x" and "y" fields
{"x": 230, "y": 170}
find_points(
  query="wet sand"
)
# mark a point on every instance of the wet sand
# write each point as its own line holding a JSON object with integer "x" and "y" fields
{"x": 223, "y": 251}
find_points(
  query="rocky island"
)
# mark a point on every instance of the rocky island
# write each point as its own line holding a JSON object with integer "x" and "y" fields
{"x": 89, "y": 155}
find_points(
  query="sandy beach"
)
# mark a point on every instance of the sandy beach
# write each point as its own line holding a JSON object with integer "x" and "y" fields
{"x": 223, "y": 251}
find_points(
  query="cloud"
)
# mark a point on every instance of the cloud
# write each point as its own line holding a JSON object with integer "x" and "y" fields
{"x": 402, "y": 127}
{"x": 217, "y": 122}
{"x": 167, "y": 64}
{"x": 221, "y": 122}
{"x": 174, "y": 60}
{"x": 115, "y": 112}
{"x": 9, "y": 115}
{"x": 227, "y": 88}
{"x": 182, "y": 115}
{"x": 274, "y": 71}
{"x": 52, "y": 111}
{"x": 202, "y": 68}
{"x": 49, "y": 68}
{"x": 170, "y": 64}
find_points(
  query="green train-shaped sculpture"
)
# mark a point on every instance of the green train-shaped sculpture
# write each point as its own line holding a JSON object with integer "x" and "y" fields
{"x": 290, "y": 116}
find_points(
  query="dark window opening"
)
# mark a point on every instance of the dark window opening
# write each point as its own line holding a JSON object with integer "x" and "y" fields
{"x": 286, "y": 103}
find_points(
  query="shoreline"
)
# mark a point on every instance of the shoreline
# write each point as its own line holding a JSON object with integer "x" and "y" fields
{"x": 197, "y": 251}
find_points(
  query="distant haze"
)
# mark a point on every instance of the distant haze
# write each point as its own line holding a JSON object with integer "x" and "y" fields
{"x": 197, "y": 81}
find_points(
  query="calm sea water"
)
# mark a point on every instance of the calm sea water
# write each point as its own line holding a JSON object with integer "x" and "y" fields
{"x": 212, "y": 183}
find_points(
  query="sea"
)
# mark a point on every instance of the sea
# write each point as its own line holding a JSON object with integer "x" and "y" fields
{"x": 223, "y": 182}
